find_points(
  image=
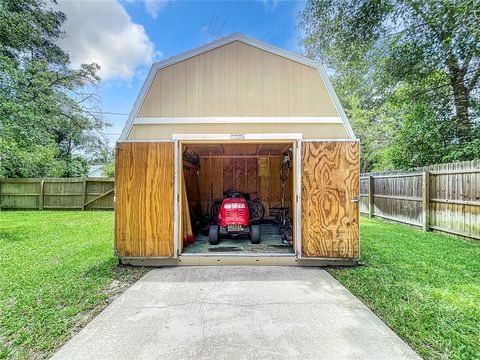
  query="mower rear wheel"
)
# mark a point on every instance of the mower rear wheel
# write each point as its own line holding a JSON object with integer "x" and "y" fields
{"x": 213, "y": 235}
{"x": 255, "y": 234}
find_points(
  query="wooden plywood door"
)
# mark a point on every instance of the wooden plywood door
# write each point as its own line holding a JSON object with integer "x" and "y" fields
{"x": 330, "y": 187}
{"x": 144, "y": 199}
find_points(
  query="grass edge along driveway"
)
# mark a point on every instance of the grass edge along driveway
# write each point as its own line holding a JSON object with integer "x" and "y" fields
{"x": 57, "y": 271}
{"x": 425, "y": 286}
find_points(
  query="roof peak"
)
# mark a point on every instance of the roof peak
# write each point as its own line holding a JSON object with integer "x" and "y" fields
{"x": 236, "y": 36}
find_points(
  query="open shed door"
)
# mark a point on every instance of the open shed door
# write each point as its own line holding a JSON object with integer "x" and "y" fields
{"x": 330, "y": 199}
{"x": 144, "y": 206}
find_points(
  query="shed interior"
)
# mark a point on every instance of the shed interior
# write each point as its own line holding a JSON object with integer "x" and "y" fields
{"x": 262, "y": 171}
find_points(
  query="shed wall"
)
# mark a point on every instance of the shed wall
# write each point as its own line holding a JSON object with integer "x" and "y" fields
{"x": 238, "y": 79}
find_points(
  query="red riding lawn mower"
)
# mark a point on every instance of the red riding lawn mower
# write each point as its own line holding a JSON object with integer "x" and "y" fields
{"x": 234, "y": 220}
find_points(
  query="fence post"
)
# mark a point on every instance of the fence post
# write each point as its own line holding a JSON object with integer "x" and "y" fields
{"x": 371, "y": 203}
{"x": 426, "y": 200}
{"x": 40, "y": 196}
{"x": 84, "y": 198}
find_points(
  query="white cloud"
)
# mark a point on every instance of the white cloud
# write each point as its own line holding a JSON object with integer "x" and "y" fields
{"x": 103, "y": 32}
{"x": 153, "y": 7}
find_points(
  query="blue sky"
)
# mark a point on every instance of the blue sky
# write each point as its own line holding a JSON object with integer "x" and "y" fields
{"x": 176, "y": 26}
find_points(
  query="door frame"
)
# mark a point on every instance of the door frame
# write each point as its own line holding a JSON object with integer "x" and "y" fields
{"x": 299, "y": 196}
{"x": 180, "y": 139}
{"x": 295, "y": 138}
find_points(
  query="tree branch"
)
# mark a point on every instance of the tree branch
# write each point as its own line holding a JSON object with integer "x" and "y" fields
{"x": 474, "y": 79}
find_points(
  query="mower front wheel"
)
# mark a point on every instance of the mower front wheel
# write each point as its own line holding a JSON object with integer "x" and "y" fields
{"x": 255, "y": 234}
{"x": 213, "y": 235}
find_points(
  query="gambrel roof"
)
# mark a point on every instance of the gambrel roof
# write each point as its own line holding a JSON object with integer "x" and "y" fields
{"x": 221, "y": 42}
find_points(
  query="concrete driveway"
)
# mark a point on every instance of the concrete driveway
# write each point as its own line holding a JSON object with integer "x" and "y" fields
{"x": 236, "y": 313}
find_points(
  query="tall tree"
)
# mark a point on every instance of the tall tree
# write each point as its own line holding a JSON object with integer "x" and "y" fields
{"x": 48, "y": 115}
{"x": 409, "y": 68}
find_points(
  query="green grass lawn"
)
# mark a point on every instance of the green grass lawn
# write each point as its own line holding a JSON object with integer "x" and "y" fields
{"x": 425, "y": 286}
{"x": 57, "y": 270}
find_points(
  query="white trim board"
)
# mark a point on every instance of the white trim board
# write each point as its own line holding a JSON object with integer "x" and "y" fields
{"x": 238, "y": 120}
{"x": 238, "y": 137}
{"x": 223, "y": 41}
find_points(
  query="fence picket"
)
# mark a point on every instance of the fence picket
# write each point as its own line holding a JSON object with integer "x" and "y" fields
{"x": 57, "y": 193}
{"x": 441, "y": 197}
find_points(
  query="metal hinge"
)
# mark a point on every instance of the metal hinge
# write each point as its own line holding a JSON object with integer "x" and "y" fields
{"x": 356, "y": 199}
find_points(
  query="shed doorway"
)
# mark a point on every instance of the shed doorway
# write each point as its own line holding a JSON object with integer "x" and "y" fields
{"x": 220, "y": 179}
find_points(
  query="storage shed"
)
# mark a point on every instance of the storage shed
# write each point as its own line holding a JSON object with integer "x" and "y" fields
{"x": 237, "y": 116}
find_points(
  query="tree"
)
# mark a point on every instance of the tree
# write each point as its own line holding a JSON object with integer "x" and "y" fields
{"x": 48, "y": 110}
{"x": 409, "y": 68}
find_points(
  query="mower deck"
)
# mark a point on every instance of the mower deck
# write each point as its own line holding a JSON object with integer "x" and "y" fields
{"x": 270, "y": 242}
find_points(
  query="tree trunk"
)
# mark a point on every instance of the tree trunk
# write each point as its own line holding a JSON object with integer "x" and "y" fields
{"x": 461, "y": 102}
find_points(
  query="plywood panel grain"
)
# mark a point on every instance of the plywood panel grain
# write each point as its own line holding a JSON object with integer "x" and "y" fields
{"x": 217, "y": 178}
{"x": 144, "y": 199}
{"x": 228, "y": 174}
{"x": 330, "y": 181}
{"x": 252, "y": 179}
{"x": 239, "y": 177}
{"x": 204, "y": 180}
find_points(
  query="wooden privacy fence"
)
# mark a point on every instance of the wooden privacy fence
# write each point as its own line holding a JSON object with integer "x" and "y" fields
{"x": 442, "y": 197}
{"x": 57, "y": 193}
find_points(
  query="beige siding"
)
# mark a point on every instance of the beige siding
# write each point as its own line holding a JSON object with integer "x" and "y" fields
{"x": 310, "y": 131}
{"x": 237, "y": 79}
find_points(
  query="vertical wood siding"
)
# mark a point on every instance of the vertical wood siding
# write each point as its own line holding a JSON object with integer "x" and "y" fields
{"x": 237, "y": 80}
{"x": 144, "y": 199}
{"x": 330, "y": 181}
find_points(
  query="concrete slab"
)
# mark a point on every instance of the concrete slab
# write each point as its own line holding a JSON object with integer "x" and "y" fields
{"x": 235, "y": 312}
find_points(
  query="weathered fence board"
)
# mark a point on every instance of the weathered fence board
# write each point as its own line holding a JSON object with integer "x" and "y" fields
{"x": 442, "y": 197}
{"x": 57, "y": 193}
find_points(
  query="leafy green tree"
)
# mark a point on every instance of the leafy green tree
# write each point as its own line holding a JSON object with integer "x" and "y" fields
{"x": 408, "y": 73}
{"x": 109, "y": 169}
{"x": 48, "y": 110}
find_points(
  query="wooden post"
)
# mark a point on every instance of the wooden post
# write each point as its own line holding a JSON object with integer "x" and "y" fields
{"x": 40, "y": 196}
{"x": 84, "y": 197}
{"x": 371, "y": 203}
{"x": 426, "y": 200}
